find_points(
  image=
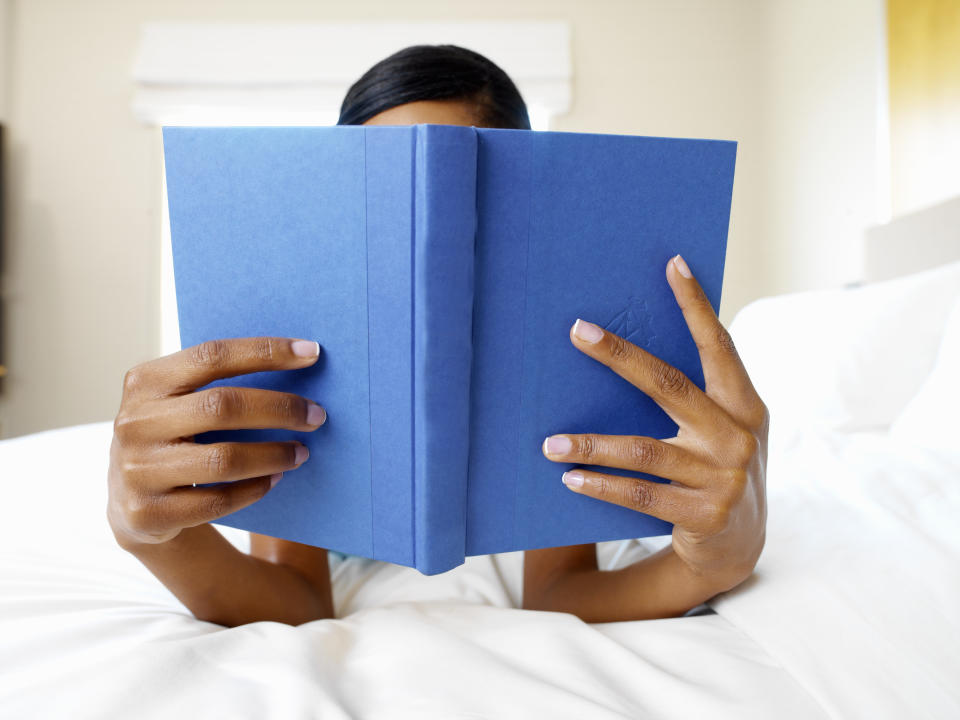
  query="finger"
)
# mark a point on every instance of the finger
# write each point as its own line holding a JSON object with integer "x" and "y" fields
{"x": 684, "y": 402}
{"x": 195, "y": 506}
{"x": 667, "y": 502}
{"x": 188, "y": 463}
{"x": 230, "y": 408}
{"x": 630, "y": 452}
{"x": 723, "y": 371}
{"x": 201, "y": 364}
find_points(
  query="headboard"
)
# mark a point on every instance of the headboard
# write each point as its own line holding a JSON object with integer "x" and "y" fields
{"x": 921, "y": 240}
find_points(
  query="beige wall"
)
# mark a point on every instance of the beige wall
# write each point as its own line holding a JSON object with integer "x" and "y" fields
{"x": 5, "y": 31}
{"x": 826, "y": 171}
{"x": 924, "y": 61}
{"x": 82, "y": 263}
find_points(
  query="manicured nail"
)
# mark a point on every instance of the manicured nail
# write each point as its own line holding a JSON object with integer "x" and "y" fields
{"x": 572, "y": 479}
{"x": 587, "y": 331}
{"x": 301, "y": 455}
{"x": 681, "y": 266}
{"x": 305, "y": 348}
{"x": 316, "y": 415}
{"x": 557, "y": 445}
{"x": 274, "y": 479}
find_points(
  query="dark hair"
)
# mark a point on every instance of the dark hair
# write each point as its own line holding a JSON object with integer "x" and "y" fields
{"x": 436, "y": 72}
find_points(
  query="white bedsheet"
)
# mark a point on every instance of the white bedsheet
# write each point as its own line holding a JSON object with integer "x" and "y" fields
{"x": 86, "y": 631}
{"x": 858, "y": 589}
{"x": 853, "y": 621}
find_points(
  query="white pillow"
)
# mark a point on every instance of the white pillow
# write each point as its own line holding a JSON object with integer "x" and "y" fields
{"x": 845, "y": 359}
{"x": 930, "y": 419}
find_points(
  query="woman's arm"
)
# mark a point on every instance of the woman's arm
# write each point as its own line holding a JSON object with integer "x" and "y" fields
{"x": 715, "y": 468}
{"x": 659, "y": 586}
{"x": 279, "y": 580}
{"x": 157, "y": 514}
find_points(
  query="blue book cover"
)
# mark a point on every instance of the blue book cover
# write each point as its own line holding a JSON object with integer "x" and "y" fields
{"x": 440, "y": 269}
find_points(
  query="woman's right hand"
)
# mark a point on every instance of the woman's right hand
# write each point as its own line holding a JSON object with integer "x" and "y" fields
{"x": 154, "y": 462}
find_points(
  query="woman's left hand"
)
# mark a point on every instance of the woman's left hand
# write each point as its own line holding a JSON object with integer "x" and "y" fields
{"x": 716, "y": 464}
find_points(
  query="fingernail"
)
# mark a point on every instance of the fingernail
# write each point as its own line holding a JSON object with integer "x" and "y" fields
{"x": 681, "y": 266}
{"x": 274, "y": 479}
{"x": 557, "y": 445}
{"x": 316, "y": 415}
{"x": 587, "y": 331}
{"x": 305, "y": 348}
{"x": 572, "y": 479}
{"x": 301, "y": 455}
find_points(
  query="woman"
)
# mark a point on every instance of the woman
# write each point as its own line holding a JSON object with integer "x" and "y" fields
{"x": 716, "y": 463}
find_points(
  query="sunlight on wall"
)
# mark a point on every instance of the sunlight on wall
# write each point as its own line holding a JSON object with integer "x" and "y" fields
{"x": 924, "y": 57}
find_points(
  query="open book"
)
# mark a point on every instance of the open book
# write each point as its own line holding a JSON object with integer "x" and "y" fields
{"x": 440, "y": 269}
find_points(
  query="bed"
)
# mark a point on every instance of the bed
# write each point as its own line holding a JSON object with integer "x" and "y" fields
{"x": 852, "y": 611}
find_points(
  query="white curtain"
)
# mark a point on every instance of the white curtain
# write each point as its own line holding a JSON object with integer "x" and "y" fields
{"x": 297, "y": 74}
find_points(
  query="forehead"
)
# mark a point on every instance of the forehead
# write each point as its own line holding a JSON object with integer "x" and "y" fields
{"x": 440, "y": 112}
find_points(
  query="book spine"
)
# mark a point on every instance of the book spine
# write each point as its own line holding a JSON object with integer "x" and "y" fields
{"x": 442, "y": 258}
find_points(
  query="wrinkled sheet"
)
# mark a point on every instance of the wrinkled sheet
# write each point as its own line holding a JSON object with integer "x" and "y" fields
{"x": 86, "y": 631}
{"x": 857, "y": 593}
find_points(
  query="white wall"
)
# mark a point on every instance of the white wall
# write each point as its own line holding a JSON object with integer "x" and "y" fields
{"x": 82, "y": 267}
{"x": 80, "y": 272}
{"x": 826, "y": 158}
